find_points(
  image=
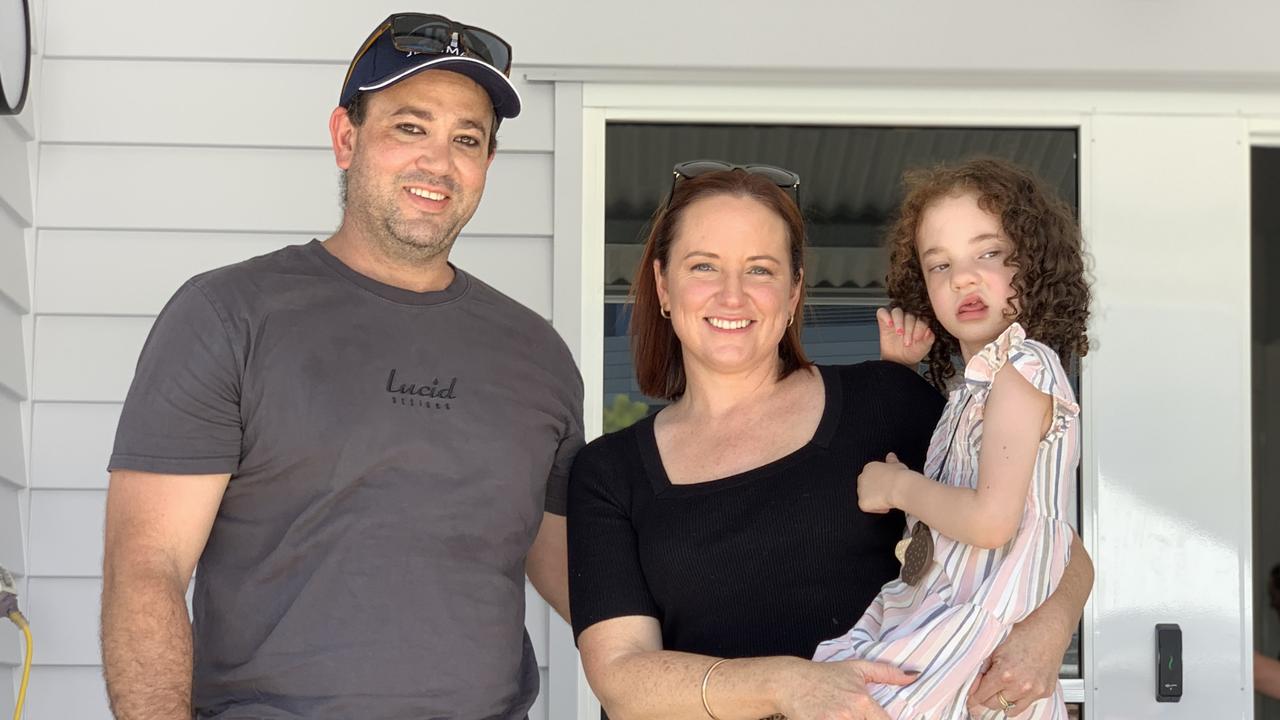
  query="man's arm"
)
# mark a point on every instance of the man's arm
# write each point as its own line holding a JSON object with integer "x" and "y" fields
{"x": 156, "y": 529}
{"x": 548, "y": 564}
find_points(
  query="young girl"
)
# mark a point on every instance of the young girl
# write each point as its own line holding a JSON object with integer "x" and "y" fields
{"x": 993, "y": 263}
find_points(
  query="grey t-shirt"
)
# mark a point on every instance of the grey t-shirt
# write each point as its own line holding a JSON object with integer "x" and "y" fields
{"x": 391, "y": 454}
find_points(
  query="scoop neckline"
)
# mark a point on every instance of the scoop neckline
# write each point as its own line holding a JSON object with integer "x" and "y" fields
{"x": 656, "y": 471}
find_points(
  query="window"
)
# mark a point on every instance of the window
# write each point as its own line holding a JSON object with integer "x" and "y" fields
{"x": 850, "y": 186}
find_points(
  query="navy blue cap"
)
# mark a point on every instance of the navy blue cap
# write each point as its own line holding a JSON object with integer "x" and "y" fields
{"x": 381, "y": 65}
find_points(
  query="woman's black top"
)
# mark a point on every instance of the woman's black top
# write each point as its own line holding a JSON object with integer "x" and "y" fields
{"x": 766, "y": 562}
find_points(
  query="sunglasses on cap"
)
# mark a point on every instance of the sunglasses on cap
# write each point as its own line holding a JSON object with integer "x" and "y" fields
{"x": 689, "y": 169}
{"x": 438, "y": 35}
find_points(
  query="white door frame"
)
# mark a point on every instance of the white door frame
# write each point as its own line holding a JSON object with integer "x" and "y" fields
{"x": 589, "y": 99}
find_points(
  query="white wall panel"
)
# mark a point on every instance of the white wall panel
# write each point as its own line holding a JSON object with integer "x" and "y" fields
{"x": 13, "y": 361}
{"x": 67, "y": 693}
{"x": 70, "y": 444}
{"x": 16, "y": 216}
{"x": 11, "y": 530}
{"x": 86, "y": 359}
{"x": 520, "y": 267}
{"x": 238, "y": 104}
{"x": 11, "y": 647}
{"x": 147, "y": 267}
{"x": 715, "y": 33}
{"x": 66, "y": 532}
{"x": 1171, "y": 438}
{"x": 13, "y": 462}
{"x": 66, "y": 612}
{"x": 13, "y": 261}
{"x": 256, "y": 190}
{"x": 15, "y": 172}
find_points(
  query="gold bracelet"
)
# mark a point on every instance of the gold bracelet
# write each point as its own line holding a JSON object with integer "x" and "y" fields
{"x": 705, "y": 677}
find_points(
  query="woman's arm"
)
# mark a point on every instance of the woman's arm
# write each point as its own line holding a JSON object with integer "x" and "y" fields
{"x": 1025, "y": 667}
{"x": 635, "y": 679}
{"x": 1266, "y": 675}
{"x": 1015, "y": 418}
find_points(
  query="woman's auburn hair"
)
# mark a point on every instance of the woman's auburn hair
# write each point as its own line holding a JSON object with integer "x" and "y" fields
{"x": 656, "y": 350}
{"x": 1051, "y": 290}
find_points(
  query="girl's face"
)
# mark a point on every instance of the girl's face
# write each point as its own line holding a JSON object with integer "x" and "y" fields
{"x": 728, "y": 284}
{"x": 962, "y": 251}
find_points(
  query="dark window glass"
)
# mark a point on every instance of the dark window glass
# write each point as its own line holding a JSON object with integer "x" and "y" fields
{"x": 850, "y": 185}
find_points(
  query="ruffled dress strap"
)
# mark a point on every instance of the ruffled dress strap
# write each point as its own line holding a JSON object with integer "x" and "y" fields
{"x": 1033, "y": 360}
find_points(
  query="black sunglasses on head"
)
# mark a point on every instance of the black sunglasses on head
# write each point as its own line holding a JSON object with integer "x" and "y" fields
{"x": 690, "y": 169}
{"x": 438, "y": 35}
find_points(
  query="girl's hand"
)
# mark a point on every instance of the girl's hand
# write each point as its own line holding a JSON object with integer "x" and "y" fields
{"x": 836, "y": 690}
{"x": 904, "y": 338}
{"x": 876, "y": 484}
{"x": 1023, "y": 669}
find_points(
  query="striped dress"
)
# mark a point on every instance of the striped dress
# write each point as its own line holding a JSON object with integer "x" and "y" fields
{"x": 963, "y": 607}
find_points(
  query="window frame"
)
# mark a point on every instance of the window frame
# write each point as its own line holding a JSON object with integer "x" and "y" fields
{"x": 585, "y": 108}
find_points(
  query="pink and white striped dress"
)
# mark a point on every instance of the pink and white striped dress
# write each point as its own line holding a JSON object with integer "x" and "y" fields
{"x": 948, "y": 624}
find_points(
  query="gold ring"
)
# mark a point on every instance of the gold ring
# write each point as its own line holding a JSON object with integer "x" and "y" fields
{"x": 1005, "y": 705}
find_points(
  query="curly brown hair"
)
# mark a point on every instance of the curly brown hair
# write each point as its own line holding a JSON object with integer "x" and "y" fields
{"x": 1051, "y": 290}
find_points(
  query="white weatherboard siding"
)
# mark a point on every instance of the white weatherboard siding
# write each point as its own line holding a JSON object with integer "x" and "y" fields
{"x": 17, "y": 215}
{"x": 867, "y": 34}
{"x": 163, "y": 183}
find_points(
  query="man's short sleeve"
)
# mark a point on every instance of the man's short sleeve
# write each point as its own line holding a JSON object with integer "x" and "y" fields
{"x": 570, "y": 443}
{"x": 182, "y": 414}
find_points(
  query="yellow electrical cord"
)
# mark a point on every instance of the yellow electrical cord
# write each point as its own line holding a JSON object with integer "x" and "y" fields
{"x": 22, "y": 624}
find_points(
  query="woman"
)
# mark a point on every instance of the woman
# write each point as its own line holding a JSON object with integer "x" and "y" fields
{"x": 713, "y": 545}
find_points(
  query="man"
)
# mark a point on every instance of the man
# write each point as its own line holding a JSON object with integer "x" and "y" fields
{"x": 354, "y": 439}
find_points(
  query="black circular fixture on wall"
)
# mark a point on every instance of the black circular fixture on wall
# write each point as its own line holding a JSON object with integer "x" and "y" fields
{"x": 15, "y": 55}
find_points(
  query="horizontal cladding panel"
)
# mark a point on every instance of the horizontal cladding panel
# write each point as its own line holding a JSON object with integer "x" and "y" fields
{"x": 13, "y": 260}
{"x": 103, "y": 187}
{"x": 22, "y": 125}
{"x": 15, "y": 172}
{"x": 11, "y": 649}
{"x": 13, "y": 463}
{"x": 67, "y": 692}
{"x": 70, "y": 444}
{"x": 278, "y": 104}
{"x": 331, "y": 34}
{"x": 86, "y": 359}
{"x": 13, "y": 370}
{"x": 11, "y": 529}
{"x": 66, "y": 532}
{"x": 66, "y": 611}
{"x": 147, "y": 267}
